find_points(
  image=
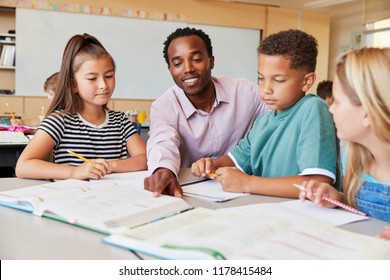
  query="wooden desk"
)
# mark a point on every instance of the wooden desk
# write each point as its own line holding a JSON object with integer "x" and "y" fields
{"x": 25, "y": 236}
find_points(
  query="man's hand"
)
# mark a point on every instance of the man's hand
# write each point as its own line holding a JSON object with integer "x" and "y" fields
{"x": 163, "y": 181}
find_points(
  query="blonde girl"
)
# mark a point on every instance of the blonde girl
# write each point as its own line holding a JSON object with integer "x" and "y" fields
{"x": 361, "y": 111}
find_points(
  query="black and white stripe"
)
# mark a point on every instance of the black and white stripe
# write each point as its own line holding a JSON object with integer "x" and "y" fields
{"x": 71, "y": 132}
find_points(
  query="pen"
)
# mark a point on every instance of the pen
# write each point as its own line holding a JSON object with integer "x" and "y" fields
{"x": 10, "y": 111}
{"x": 77, "y": 155}
{"x": 335, "y": 202}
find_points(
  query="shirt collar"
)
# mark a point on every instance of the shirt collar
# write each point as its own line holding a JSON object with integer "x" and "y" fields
{"x": 189, "y": 109}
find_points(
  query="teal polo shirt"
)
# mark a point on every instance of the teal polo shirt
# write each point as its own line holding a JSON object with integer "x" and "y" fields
{"x": 300, "y": 140}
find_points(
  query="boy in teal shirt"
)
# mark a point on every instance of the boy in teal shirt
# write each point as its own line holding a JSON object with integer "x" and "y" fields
{"x": 296, "y": 140}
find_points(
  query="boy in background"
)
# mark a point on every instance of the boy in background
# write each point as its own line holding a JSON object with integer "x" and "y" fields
{"x": 324, "y": 90}
{"x": 294, "y": 142}
{"x": 50, "y": 87}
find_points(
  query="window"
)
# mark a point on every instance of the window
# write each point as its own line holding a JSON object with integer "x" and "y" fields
{"x": 377, "y": 34}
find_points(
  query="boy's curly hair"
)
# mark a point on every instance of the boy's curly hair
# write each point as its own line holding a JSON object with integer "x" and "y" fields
{"x": 295, "y": 45}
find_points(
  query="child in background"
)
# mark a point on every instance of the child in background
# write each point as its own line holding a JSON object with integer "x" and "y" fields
{"x": 362, "y": 116}
{"x": 78, "y": 120}
{"x": 324, "y": 90}
{"x": 294, "y": 142}
{"x": 50, "y": 87}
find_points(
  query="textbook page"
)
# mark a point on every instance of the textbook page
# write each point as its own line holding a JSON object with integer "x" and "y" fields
{"x": 295, "y": 210}
{"x": 210, "y": 190}
{"x": 209, "y": 234}
{"x": 135, "y": 178}
{"x": 32, "y": 199}
{"x": 103, "y": 206}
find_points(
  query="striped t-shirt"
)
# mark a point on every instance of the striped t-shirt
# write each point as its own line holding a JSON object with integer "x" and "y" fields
{"x": 72, "y": 132}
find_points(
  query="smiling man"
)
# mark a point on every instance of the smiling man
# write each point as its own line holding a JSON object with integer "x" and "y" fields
{"x": 200, "y": 116}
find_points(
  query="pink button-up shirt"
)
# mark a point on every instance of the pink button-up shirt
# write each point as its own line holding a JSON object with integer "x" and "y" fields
{"x": 180, "y": 134}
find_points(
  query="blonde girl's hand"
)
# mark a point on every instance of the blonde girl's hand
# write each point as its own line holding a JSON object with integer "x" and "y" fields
{"x": 203, "y": 167}
{"x": 385, "y": 234}
{"x": 94, "y": 169}
{"x": 232, "y": 179}
{"x": 315, "y": 190}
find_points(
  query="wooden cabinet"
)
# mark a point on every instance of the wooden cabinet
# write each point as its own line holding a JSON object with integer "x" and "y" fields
{"x": 31, "y": 106}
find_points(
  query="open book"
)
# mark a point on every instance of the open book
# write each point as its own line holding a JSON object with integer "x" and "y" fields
{"x": 102, "y": 206}
{"x": 210, "y": 234}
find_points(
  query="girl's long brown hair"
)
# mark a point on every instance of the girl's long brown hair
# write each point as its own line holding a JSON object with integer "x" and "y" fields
{"x": 78, "y": 49}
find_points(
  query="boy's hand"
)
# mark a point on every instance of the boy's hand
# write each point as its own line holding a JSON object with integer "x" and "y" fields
{"x": 232, "y": 179}
{"x": 203, "y": 167}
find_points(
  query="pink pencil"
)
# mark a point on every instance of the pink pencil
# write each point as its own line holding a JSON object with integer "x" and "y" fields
{"x": 335, "y": 202}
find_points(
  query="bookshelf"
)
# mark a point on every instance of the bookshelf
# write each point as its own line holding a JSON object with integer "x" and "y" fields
{"x": 8, "y": 41}
{"x": 7, "y": 50}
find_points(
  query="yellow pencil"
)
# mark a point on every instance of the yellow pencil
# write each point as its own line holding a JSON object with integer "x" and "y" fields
{"x": 77, "y": 155}
{"x": 212, "y": 175}
{"x": 10, "y": 111}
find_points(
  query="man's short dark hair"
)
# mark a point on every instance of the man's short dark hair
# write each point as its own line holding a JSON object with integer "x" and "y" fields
{"x": 181, "y": 32}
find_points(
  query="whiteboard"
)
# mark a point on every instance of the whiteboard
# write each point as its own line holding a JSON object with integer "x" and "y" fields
{"x": 135, "y": 44}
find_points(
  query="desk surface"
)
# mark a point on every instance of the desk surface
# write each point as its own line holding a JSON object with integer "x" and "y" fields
{"x": 25, "y": 236}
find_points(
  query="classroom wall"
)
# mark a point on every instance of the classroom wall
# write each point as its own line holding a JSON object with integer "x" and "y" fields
{"x": 345, "y": 20}
{"x": 192, "y": 11}
{"x": 267, "y": 19}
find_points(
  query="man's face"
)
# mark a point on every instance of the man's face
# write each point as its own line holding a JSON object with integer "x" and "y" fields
{"x": 189, "y": 64}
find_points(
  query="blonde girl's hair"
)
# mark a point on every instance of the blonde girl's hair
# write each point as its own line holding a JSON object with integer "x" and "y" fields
{"x": 79, "y": 49}
{"x": 365, "y": 78}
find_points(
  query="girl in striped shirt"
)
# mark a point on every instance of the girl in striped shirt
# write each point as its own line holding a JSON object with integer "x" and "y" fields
{"x": 78, "y": 120}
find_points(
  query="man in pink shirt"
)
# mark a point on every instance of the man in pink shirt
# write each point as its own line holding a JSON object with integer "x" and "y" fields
{"x": 200, "y": 116}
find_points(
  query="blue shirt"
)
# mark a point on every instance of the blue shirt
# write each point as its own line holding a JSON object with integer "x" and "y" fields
{"x": 373, "y": 197}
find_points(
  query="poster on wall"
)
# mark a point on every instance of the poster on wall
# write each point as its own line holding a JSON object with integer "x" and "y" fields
{"x": 357, "y": 40}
